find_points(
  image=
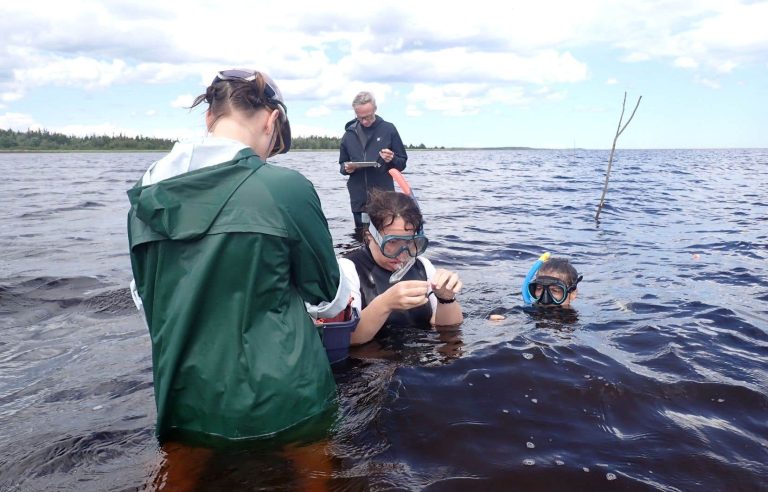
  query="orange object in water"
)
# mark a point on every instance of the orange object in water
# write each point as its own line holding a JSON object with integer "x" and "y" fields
{"x": 401, "y": 182}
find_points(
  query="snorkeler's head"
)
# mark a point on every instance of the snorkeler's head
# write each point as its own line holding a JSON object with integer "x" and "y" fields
{"x": 555, "y": 283}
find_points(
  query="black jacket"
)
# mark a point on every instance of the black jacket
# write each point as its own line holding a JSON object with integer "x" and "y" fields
{"x": 374, "y": 281}
{"x": 355, "y": 147}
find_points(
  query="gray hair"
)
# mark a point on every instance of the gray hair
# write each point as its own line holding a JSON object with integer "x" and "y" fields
{"x": 363, "y": 97}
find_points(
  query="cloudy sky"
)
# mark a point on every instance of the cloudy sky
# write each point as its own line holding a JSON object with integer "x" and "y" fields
{"x": 536, "y": 73}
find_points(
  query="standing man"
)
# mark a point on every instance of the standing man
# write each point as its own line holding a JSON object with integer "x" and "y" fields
{"x": 368, "y": 138}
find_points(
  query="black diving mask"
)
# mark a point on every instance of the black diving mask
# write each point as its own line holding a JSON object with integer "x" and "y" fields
{"x": 550, "y": 290}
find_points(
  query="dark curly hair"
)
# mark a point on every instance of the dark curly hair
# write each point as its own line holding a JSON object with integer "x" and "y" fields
{"x": 383, "y": 207}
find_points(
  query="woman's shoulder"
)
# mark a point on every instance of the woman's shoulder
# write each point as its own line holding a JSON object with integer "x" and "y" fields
{"x": 285, "y": 182}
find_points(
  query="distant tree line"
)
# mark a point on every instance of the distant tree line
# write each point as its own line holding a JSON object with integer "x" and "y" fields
{"x": 315, "y": 142}
{"x": 43, "y": 140}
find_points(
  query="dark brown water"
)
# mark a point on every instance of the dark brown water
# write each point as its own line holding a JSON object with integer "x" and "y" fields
{"x": 657, "y": 382}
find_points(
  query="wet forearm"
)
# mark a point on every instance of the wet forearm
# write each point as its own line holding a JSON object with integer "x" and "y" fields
{"x": 372, "y": 318}
{"x": 448, "y": 314}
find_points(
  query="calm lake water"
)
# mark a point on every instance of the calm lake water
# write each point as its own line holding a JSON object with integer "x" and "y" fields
{"x": 658, "y": 382}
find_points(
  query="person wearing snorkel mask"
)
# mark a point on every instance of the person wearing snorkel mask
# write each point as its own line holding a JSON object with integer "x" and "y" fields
{"x": 225, "y": 249}
{"x": 392, "y": 283}
{"x": 555, "y": 284}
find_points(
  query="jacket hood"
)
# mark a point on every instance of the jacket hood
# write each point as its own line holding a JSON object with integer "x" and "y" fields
{"x": 350, "y": 125}
{"x": 185, "y": 206}
{"x": 191, "y": 155}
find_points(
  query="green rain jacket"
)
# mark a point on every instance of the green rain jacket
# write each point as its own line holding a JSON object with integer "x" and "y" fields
{"x": 224, "y": 258}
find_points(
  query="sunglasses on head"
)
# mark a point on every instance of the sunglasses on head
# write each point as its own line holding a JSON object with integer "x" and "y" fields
{"x": 273, "y": 97}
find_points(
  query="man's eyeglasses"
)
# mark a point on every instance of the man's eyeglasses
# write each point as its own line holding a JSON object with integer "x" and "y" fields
{"x": 273, "y": 97}
{"x": 393, "y": 246}
{"x": 368, "y": 117}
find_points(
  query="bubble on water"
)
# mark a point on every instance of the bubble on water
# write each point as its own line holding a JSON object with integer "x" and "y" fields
{"x": 530, "y": 445}
{"x": 471, "y": 384}
{"x": 585, "y": 469}
{"x": 529, "y": 462}
{"x": 98, "y": 407}
{"x": 720, "y": 400}
{"x": 559, "y": 462}
{"x": 527, "y": 356}
{"x": 610, "y": 476}
{"x": 505, "y": 410}
{"x": 587, "y": 376}
{"x": 535, "y": 400}
{"x": 488, "y": 376}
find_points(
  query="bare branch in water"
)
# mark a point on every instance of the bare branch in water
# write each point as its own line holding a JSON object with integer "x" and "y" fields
{"x": 619, "y": 130}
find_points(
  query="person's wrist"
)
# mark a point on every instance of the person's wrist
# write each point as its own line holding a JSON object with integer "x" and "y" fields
{"x": 445, "y": 300}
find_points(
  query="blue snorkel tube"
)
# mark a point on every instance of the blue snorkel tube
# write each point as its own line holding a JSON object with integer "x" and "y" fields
{"x": 527, "y": 299}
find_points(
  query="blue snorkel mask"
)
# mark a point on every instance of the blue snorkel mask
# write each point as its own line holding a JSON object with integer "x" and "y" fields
{"x": 527, "y": 299}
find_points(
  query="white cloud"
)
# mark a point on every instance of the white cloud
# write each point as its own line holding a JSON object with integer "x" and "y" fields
{"x": 413, "y": 111}
{"x": 713, "y": 34}
{"x": 11, "y": 96}
{"x": 424, "y": 56}
{"x": 461, "y": 65}
{"x": 80, "y": 71}
{"x": 183, "y": 101}
{"x": 320, "y": 54}
{"x": 712, "y": 84}
{"x": 556, "y": 96}
{"x": 18, "y": 121}
{"x": 461, "y": 99}
{"x": 318, "y": 111}
{"x": 309, "y": 130}
{"x": 686, "y": 62}
{"x": 726, "y": 66}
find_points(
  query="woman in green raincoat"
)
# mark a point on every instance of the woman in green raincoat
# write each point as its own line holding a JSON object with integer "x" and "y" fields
{"x": 225, "y": 251}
